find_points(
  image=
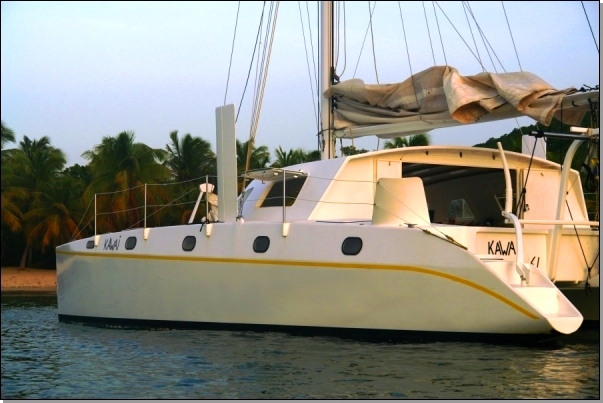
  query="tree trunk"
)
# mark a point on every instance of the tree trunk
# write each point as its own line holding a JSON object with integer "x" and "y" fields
{"x": 24, "y": 257}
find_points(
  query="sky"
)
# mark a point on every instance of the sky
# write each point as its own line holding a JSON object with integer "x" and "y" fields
{"x": 79, "y": 71}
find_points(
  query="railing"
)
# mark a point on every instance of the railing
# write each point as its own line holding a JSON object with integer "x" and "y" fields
{"x": 522, "y": 269}
{"x": 145, "y": 206}
{"x": 362, "y": 198}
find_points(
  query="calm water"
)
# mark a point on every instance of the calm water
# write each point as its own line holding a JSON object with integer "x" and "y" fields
{"x": 42, "y": 358}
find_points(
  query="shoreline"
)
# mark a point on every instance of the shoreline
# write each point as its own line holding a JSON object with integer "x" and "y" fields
{"x": 28, "y": 281}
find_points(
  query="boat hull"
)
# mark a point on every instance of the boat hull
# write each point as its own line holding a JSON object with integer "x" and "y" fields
{"x": 303, "y": 280}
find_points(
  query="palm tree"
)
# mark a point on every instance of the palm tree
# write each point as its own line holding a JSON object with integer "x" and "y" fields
{"x": 11, "y": 215}
{"x": 352, "y": 150}
{"x": 189, "y": 158}
{"x": 258, "y": 158}
{"x": 8, "y": 136}
{"x": 287, "y": 158}
{"x": 421, "y": 139}
{"x": 54, "y": 215}
{"x": 120, "y": 168}
{"x": 313, "y": 155}
{"x": 34, "y": 169}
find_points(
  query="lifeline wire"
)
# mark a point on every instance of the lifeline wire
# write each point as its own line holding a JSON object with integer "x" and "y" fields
{"x": 232, "y": 52}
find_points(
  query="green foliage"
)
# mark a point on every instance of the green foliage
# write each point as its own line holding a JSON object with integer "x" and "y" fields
{"x": 352, "y": 150}
{"x": 556, "y": 148}
{"x": 120, "y": 168}
{"x": 421, "y": 139}
{"x": 312, "y": 156}
{"x": 190, "y": 160}
{"x": 288, "y": 158}
{"x": 259, "y": 157}
{"x": 31, "y": 176}
{"x": 8, "y": 136}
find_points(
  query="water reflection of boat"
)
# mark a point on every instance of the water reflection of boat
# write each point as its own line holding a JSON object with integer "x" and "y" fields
{"x": 454, "y": 240}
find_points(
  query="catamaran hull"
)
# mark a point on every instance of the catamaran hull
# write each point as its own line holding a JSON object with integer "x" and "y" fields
{"x": 302, "y": 280}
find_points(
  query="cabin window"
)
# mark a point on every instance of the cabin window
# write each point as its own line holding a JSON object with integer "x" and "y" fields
{"x": 459, "y": 212}
{"x": 131, "y": 243}
{"x": 261, "y": 244}
{"x": 351, "y": 246}
{"x": 293, "y": 186}
{"x": 90, "y": 245}
{"x": 188, "y": 244}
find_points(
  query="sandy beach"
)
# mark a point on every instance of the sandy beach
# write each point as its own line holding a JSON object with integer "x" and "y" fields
{"x": 15, "y": 280}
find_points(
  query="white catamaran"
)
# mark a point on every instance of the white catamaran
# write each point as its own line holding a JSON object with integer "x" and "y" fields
{"x": 436, "y": 240}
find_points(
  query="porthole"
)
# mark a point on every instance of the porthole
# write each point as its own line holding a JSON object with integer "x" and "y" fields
{"x": 189, "y": 242}
{"x": 351, "y": 246}
{"x": 261, "y": 244}
{"x": 131, "y": 243}
{"x": 90, "y": 245}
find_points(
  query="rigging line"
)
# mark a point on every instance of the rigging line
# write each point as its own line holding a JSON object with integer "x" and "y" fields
{"x": 320, "y": 136}
{"x": 336, "y": 11}
{"x": 362, "y": 47}
{"x": 172, "y": 203}
{"x": 408, "y": 55}
{"x": 484, "y": 39}
{"x": 511, "y": 33}
{"x": 85, "y": 225}
{"x": 254, "y": 110}
{"x": 263, "y": 87}
{"x": 308, "y": 63}
{"x": 77, "y": 229}
{"x": 314, "y": 64}
{"x": 521, "y": 198}
{"x": 312, "y": 48}
{"x": 460, "y": 36}
{"x": 591, "y": 28}
{"x": 232, "y": 51}
{"x": 255, "y": 88}
{"x": 428, "y": 31}
{"x": 119, "y": 191}
{"x": 258, "y": 69}
{"x": 260, "y": 74}
{"x": 260, "y": 64}
{"x": 447, "y": 239}
{"x": 578, "y": 237}
{"x": 439, "y": 32}
{"x": 373, "y": 40}
{"x": 317, "y": 66}
{"x": 404, "y": 204}
{"x": 251, "y": 64}
{"x": 181, "y": 182}
{"x": 428, "y": 223}
{"x": 573, "y": 182}
{"x": 345, "y": 53}
{"x": 479, "y": 57}
{"x": 524, "y": 138}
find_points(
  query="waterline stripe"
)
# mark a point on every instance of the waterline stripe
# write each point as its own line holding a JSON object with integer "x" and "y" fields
{"x": 309, "y": 264}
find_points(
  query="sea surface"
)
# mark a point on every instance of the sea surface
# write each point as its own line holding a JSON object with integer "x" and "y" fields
{"x": 45, "y": 359}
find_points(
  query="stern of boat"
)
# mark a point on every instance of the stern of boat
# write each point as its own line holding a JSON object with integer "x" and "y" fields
{"x": 541, "y": 293}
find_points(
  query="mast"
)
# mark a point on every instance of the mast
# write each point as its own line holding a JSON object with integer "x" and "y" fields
{"x": 326, "y": 67}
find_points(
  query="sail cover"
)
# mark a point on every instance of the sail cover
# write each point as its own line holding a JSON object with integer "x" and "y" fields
{"x": 441, "y": 97}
